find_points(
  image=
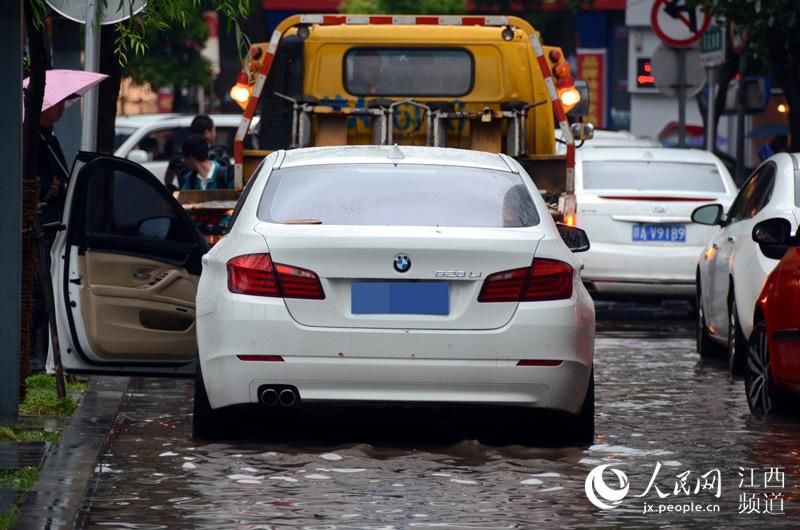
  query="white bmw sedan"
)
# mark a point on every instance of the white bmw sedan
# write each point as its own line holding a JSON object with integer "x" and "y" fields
{"x": 403, "y": 275}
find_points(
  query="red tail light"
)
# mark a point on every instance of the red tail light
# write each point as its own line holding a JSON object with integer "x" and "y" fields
{"x": 504, "y": 286}
{"x": 546, "y": 279}
{"x": 252, "y": 274}
{"x": 256, "y": 274}
{"x": 549, "y": 280}
{"x": 535, "y": 362}
{"x": 658, "y": 198}
{"x": 263, "y": 358}
{"x": 299, "y": 283}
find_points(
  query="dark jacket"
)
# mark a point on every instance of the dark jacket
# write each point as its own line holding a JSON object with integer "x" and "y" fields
{"x": 220, "y": 179}
{"x": 51, "y": 167}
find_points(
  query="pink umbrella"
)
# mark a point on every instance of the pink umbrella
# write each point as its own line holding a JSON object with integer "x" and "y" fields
{"x": 61, "y": 84}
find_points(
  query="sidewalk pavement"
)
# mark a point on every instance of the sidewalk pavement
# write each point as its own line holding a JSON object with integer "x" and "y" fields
{"x": 69, "y": 463}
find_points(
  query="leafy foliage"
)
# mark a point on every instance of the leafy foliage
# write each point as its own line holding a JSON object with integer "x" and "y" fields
{"x": 162, "y": 46}
{"x": 15, "y": 434}
{"x": 41, "y": 398}
{"x": 442, "y": 7}
{"x": 48, "y": 382}
{"x": 21, "y": 479}
{"x": 774, "y": 42}
{"x": 8, "y": 518}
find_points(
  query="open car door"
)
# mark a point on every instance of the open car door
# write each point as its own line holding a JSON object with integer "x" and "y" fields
{"x": 125, "y": 273}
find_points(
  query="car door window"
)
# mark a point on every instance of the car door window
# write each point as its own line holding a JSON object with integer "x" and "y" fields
{"x": 754, "y": 195}
{"x": 111, "y": 212}
{"x": 762, "y": 192}
{"x": 121, "y": 207}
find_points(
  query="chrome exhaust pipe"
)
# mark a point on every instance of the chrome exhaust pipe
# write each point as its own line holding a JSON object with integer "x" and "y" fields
{"x": 287, "y": 397}
{"x": 269, "y": 396}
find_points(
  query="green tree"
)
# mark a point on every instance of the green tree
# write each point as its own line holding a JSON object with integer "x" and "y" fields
{"x": 173, "y": 58}
{"x": 422, "y": 7}
{"x": 774, "y": 42}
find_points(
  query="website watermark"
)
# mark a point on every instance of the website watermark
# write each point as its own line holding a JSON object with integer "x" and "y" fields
{"x": 760, "y": 490}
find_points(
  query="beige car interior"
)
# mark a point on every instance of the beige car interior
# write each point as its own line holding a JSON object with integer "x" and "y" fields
{"x": 136, "y": 308}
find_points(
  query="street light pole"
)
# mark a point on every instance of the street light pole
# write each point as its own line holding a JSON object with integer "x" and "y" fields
{"x": 740, "y": 167}
{"x": 10, "y": 207}
{"x": 681, "y": 97}
{"x": 710, "y": 132}
{"x": 92, "y": 64}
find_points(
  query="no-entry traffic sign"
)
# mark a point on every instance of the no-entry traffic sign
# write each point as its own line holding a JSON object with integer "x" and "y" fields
{"x": 677, "y": 24}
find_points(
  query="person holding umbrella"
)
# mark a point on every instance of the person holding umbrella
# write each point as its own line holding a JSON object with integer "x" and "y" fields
{"x": 62, "y": 88}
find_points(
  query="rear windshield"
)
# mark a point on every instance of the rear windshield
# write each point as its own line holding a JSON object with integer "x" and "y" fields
{"x": 408, "y": 72}
{"x": 402, "y": 195}
{"x": 651, "y": 176}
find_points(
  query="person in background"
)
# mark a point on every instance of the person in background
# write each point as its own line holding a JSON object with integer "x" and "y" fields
{"x": 202, "y": 173}
{"x": 203, "y": 126}
{"x": 53, "y": 176}
{"x": 52, "y": 167}
{"x": 150, "y": 146}
{"x": 365, "y": 73}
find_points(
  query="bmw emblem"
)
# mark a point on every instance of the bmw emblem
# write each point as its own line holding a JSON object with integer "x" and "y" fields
{"x": 402, "y": 263}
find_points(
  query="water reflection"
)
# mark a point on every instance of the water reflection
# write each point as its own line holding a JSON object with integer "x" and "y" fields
{"x": 406, "y": 468}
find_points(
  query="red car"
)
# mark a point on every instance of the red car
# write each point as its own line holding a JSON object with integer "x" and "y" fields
{"x": 772, "y": 370}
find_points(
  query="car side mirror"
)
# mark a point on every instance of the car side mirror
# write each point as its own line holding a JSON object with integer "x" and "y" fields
{"x": 774, "y": 237}
{"x": 775, "y": 231}
{"x": 139, "y": 156}
{"x": 710, "y": 214}
{"x": 575, "y": 238}
{"x": 155, "y": 227}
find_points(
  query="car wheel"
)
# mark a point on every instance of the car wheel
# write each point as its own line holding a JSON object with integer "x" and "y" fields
{"x": 206, "y": 422}
{"x": 583, "y": 423}
{"x": 706, "y": 346}
{"x": 736, "y": 342}
{"x": 761, "y": 396}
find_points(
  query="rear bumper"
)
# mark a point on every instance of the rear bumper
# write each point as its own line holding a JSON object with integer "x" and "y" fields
{"x": 399, "y": 365}
{"x": 321, "y": 379}
{"x": 637, "y": 269}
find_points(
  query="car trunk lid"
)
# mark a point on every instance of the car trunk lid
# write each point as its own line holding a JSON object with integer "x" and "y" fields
{"x": 355, "y": 264}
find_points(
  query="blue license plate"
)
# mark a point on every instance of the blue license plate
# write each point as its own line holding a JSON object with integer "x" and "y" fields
{"x": 400, "y": 298}
{"x": 659, "y": 232}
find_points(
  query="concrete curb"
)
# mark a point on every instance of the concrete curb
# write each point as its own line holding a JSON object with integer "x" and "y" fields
{"x": 69, "y": 465}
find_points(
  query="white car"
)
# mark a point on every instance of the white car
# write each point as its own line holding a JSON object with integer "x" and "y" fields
{"x": 153, "y": 139}
{"x": 606, "y": 138}
{"x": 635, "y": 205}
{"x": 350, "y": 274}
{"x": 732, "y": 269}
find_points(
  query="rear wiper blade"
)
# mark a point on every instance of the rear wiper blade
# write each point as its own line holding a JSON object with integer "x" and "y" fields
{"x": 302, "y": 221}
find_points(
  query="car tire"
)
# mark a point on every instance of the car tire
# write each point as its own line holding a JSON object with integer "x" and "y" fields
{"x": 582, "y": 432}
{"x": 762, "y": 398}
{"x": 206, "y": 422}
{"x": 737, "y": 346}
{"x": 706, "y": 346}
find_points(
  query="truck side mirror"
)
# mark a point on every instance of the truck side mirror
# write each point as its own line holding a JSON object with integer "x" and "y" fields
{"x": 582, "y": 131}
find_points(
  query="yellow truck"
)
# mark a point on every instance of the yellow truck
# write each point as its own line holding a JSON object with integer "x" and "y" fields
{"x": 473, "y": 82}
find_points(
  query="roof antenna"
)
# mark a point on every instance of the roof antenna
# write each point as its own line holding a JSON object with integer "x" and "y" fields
{"x": 395, "y": 153}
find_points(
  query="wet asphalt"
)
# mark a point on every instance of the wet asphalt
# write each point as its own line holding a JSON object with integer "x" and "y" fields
{"x": 658, "y": 408}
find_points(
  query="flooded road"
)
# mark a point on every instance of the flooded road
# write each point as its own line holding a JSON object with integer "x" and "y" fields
{"x": 659, "y": 410}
